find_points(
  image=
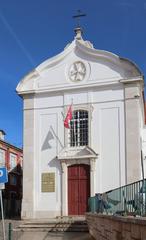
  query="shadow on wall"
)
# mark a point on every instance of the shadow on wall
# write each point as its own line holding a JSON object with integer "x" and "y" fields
{"x": 54, "y": 162}
{"x": 51, "y": 135}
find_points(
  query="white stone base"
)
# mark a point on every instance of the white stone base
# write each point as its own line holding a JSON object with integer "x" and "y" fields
{"x": 39, "y": 214}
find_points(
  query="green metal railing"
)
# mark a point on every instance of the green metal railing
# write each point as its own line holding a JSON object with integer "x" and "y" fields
{"x": 126, "y": 200}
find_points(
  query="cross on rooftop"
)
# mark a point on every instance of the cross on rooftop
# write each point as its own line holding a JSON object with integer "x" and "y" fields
{"x": 78, "y": 16}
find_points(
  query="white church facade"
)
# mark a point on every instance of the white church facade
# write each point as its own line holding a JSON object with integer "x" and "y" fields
{"x": 101, "y": 148}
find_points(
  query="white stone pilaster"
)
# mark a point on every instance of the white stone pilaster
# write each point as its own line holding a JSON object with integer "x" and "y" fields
{"x": 133, "y": 135}
{"x": 64, "y": 189}
{"x": 92, "y": 177}
{"x": 28, "y": 163}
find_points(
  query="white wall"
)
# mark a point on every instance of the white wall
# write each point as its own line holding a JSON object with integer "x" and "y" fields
{"x": 111, "y": 166}
{"x": 48, "y": 142}
{"x": 106, "y": 138}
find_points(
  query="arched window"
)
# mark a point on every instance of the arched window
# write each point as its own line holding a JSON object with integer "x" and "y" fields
{"x": 79, "y": 128}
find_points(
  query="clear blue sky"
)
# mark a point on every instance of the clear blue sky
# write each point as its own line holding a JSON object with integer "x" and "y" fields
{"x": 33, "y": 30}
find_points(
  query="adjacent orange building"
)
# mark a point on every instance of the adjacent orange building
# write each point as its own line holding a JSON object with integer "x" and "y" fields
{"x": 11, "y": 157}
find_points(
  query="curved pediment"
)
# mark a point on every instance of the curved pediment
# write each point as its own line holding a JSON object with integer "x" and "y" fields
{"x": 78, "y": 66}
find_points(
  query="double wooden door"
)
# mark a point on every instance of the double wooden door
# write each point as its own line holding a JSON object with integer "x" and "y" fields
{"x": 78, "y": 189}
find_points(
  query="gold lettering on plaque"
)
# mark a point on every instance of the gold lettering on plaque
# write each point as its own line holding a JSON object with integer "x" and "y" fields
{"x": 48, "y": 182}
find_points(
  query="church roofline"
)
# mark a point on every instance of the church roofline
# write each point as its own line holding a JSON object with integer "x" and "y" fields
{"x": 54, "y": 60}
{"x": 92, "y": 51}
{"x": 133, "y": 64}
{"x": 109, "y": 56}
{"x": 81, "y": 46}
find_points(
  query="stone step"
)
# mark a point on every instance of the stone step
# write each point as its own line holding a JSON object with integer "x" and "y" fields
{"x": 63, "y": 229}
{"x": 54, "y": 226}
{"x": 56, "y": 220}
{"x": 50, "y": 230}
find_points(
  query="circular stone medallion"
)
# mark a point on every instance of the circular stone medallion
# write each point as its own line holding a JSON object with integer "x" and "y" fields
{"x": 77, "y": 71}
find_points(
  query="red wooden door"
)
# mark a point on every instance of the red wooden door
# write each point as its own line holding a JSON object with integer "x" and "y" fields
{"x": 78, "y": 189}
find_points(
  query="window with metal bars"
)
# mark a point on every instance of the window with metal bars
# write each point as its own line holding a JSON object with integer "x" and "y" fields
{"x": 79, "y": 128}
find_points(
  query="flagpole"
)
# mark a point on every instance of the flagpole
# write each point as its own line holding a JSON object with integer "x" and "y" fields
{"x": 69, "y": 122}
{"x": 74, "y": 130}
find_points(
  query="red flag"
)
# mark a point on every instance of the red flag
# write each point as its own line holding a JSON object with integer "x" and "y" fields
{"x": 68, "y": 117}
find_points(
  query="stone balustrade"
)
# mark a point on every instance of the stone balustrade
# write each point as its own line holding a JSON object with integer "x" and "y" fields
{"x": 109, "y": 227}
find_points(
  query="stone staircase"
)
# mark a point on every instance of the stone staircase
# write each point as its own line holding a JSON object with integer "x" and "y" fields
{"x": 60, "y": 224}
